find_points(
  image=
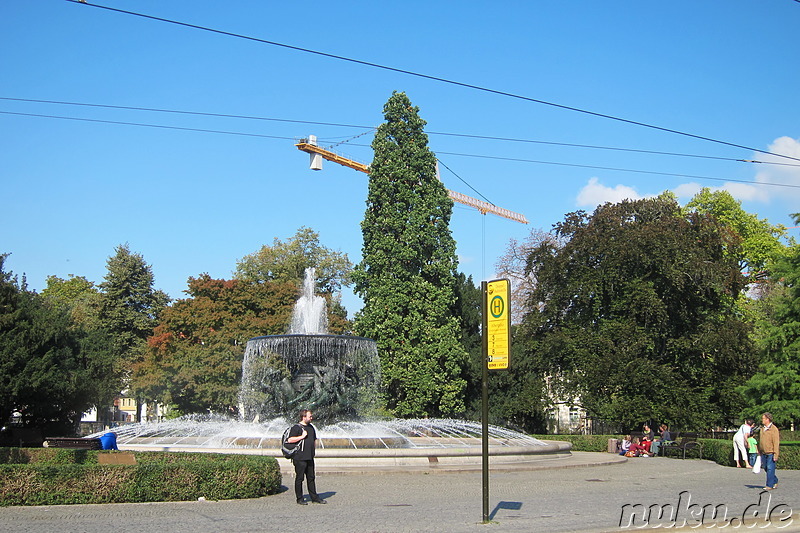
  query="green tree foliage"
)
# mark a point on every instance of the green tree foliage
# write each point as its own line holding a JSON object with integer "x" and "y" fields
{"x": 81, "y": 300}
{"x": 286, "y": 262}
{"x": 760, "y": 241}
{"x": 635, "y": 315}
{"x": 776, "y": 385}
{"x": 79, "y": 296}
{"x": 467, "y": 307}
{"x": 68, "y": 291}
{"x": 129, "y": 304}
{"x": 50, "y": 370}
{"x": 516, "y": 396}
{"x": 193, "y": 359}
{"x": 407, "y": 275}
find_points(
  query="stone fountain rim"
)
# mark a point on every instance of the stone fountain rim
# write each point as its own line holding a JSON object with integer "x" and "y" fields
{"x": 306, "y": 335}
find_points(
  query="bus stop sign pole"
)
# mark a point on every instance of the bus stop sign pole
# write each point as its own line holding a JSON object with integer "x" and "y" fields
{"x": 496, "y": 355}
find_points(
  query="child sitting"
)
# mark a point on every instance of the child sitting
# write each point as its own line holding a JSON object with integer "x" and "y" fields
{"x": 625, "y": 445}
{"x": 637, "y": 449}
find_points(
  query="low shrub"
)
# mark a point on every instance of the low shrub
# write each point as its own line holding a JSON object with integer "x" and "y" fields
{"x": 718, "y": 450}
{"x": 42, "y": 476}
{"x": 582, "y": 443}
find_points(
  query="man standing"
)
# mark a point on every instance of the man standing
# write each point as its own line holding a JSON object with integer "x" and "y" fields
{"x": 304, "y": 435}
{"x": 769, "y": 444}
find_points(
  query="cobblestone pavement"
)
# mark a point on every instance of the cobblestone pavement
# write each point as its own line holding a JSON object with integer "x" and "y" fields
{"x": 579, "y": 498}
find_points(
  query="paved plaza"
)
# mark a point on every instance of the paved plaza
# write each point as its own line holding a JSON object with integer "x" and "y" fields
{"x": 582, "y": 493}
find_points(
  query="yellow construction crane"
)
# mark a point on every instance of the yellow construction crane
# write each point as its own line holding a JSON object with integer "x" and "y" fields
{"x": 318, "y": 154}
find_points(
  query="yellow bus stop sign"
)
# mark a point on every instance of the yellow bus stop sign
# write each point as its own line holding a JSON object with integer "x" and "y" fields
{"x": 498, "y": 324}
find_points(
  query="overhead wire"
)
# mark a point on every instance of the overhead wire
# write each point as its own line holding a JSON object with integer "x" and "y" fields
{"x": 479, "y": 156}
{"x": 160, "y": 126}
{"x": 433, "y": 78}
{"x": 182, "y": 112}
{"x": 617, "y": 169}
{"x": 613, "y": 148}
{"x": 464, "y": 181}
{"x": 372, "y": 128}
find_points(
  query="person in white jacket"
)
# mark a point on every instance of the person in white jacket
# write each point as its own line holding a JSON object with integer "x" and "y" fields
{"x": 740, "y": 444}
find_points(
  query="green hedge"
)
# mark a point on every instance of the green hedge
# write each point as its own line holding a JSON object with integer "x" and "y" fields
{"x": 47, "y": 476}
{"x": 718, "y": 450}
{"x": 582, "y": 443}
{"x": 721, "y": 452}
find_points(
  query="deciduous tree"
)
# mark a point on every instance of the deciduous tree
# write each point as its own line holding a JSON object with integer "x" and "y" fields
{"x": 760, "y": 241}
{"x": 513, "y": 264}
{"x": 193, "y": 359}
{"x": 776, "y": 385}
{"x": 287, "y": 261}
{"x": 637, "y": 314}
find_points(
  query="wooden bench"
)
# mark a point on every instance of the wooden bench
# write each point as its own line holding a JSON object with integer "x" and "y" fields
{"x": 685, "y": 443}
{"x": 73, "y": 443}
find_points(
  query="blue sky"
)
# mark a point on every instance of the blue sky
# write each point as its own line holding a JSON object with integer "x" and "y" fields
{"x": 193, "y": 202}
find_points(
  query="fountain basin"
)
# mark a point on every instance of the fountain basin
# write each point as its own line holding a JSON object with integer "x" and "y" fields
{"x": 420, "y": 444}
{"x": 365, "y": 460}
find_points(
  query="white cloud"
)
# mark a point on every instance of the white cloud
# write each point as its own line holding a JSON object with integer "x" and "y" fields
{"x": 784, "y": 171}
{"x": 686, "y": 191}
{"x": 740, "y": 191}
{"x": 595, "y": 193}
{"x": 747, "y": 193}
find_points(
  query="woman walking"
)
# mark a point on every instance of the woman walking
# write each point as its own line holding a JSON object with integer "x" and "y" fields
{"x": 740, "y": 443}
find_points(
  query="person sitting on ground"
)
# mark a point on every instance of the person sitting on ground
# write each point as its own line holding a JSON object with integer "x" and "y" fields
{"x": 625, "y": 445}
{"x": 666, "y": 438}
{"x": 647, "y": 437}
{"x": 637, "y": 449}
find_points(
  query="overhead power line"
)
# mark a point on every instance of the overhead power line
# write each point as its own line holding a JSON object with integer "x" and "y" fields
{"x": 613, "y": 148}
{"x": 433, "y": 78}
{"x": 119, "y": 122}
{"x": 182, "y": 112}
{"x": 616, "y": 169}
{"x": 371, "y": 128}
{"x": 464, "y": 181}
{"x": 478, "y": 156}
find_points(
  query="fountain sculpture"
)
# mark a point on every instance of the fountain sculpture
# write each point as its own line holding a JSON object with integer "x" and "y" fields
{"x": 338, "y": 377}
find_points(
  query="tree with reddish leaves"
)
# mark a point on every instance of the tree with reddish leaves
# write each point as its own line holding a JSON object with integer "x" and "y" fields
{"x": 193, "y": 359}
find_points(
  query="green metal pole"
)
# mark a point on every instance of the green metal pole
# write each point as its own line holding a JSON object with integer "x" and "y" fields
{"x": 485, "y": 403}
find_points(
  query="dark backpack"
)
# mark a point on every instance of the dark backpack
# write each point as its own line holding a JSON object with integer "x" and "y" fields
{"x": 288, "y": 450}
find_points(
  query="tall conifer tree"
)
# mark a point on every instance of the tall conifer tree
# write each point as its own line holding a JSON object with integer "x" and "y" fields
{"x": 407, "y": 275}
{"x": 129, "y": 306}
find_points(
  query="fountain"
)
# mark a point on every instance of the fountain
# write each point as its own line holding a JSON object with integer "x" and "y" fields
{"x": 337, "y": 377}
